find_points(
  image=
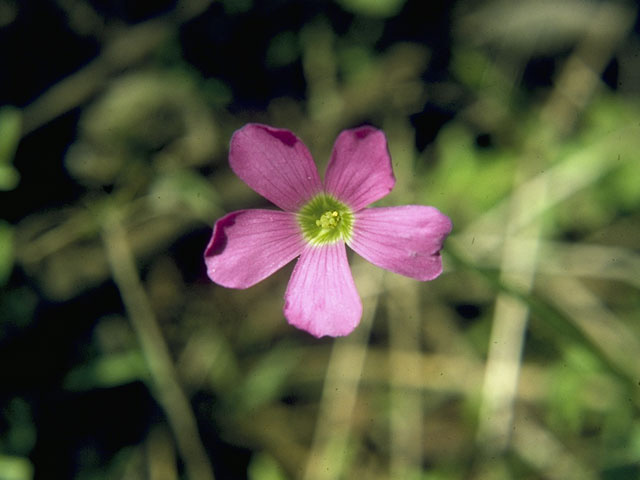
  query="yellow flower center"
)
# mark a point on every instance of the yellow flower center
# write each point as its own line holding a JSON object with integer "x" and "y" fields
{"x": 325, "y": 220}
{"x": 329, "y": 219}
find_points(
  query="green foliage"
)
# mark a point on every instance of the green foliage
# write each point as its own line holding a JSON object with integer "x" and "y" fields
{"x": 264, "y": 383}
{"x": 472, "y": 179}
{"x": 184, "y": 189}
{"x": 610, "y": 138}
{"x": 374, "y": 8}
{"x": 283, "y": 49}
{"x": 6, "y": 251}
{"x": 264, "y": 467}
{"x": 107, "y": 371}
{"x": 18, "y": 438}
{"x": 15, "y": 468}
{"x": 10, "y": 130}
{"x": 538, "y": 170}
{"x": 570, "y": 405}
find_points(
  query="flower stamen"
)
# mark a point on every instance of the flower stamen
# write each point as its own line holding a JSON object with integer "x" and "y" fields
{"x": 324, "y": 220}
{"x": 329, "y": 219}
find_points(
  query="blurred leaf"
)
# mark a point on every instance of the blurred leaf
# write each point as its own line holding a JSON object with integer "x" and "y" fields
{"x": 144, "y": 118}
{"x": 626, "y": 184}
{"x": 20, "y": 437}
{"x": 9, "y": 177}
{"x": 6, "y": 251}
{"x": 265, "y": 467}
{"x": 283, "y": 49}
{"x": 185, "y": 188}
{"x": 216, "y": 351}
{"x": 15, "y": 468}
{"x": 623, "y": 464}
{"x": 93, "y": 166}
{"x": 611, "y": 132}
{"x": 17, "y": 307}
{"x": 448, "y": 473}
{"x": 634, "y": 444}
{"x": 8, "y": 12}
{"x": 470, "y": 179}
{"x": 216, "y": 92}
{"x": 544, "y": 26}
{"x": 59, "y": 248}
{"x": 265, "y": 382}
{"x": 473, "y": 68}
{"x": 356, "y": 62}
{"x": 232, "y": 7}
{"x": 373, "y": 8}
{"x": 568, "y": 407}
{"x": 10, "y": 129}
{"x": 607, "y": 114}
{"x": 623, "y": 472}
{"x": 108, "y": 371}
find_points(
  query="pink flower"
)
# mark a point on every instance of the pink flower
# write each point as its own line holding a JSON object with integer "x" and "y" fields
{"x": 315, "y": 223}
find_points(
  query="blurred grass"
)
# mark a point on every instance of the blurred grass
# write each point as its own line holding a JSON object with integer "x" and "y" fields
{"x": 520, "y": 361}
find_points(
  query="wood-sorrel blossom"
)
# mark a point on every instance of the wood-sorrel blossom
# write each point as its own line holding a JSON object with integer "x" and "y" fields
{"x": 315, "y": 223}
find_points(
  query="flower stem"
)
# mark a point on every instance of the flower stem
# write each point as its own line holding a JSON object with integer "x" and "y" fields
{"x": 168, "y": 390}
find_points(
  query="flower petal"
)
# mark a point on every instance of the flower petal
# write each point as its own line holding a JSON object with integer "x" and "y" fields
{"x": 249, "y": 245}
{"x": 276, "y": 164}
{"x": 405, "y": 240}
{"x": 360, "y": 172}
{"x": 321, "y": 297}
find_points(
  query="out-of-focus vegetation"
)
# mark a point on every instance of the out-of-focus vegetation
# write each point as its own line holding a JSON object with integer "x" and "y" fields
{"x": 120, "y": 360}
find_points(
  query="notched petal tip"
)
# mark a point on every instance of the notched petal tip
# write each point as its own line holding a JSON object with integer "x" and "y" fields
{"x": 285, "y": 136}
{"x": 218, "y": 240}
{"x": 364, "y": 131}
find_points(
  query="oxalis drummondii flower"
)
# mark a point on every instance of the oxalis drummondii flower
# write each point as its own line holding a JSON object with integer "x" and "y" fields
{"x": 316, "y": 222}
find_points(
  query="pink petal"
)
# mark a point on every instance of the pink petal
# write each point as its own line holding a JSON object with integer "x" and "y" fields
{"x": 405, "y": 240}
{"x": 276, "y": 164}
{"x": 321, "y": 297}
{"x": 249, "y": 245}
{"x": 359, "y": 172}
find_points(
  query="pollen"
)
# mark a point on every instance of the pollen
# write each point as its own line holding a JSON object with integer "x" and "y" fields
{"x": 329, "y": 219}
{"x": 325, "y": 220}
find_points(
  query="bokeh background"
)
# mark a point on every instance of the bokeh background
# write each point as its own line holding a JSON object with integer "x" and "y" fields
{"x": 120, "y": 360}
